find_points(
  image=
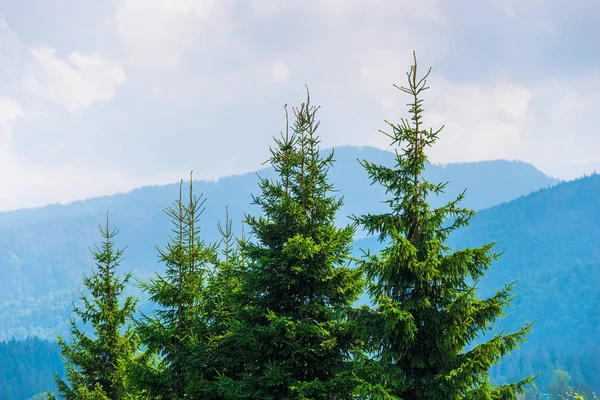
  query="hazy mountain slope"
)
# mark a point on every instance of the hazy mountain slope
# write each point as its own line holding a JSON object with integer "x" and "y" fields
{"x": 44, "y": 251}
{"x": 28, "y": 367}
{"x": 552, "y": 243}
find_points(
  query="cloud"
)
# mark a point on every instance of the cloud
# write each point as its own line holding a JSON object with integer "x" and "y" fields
{"x": 483, "y": 121}
{"x": 563, "y": 138}
{"x": 9, "y": 110}
{"x": 161, "y": 36}
{"x": 267, "y": 8}
{"x": 279, "y": 71}
{"x": 349, "y": 54}
{"x": 75, "y": 83}
{"x": 206, "y": 81}
{"x": 13, "y": 60}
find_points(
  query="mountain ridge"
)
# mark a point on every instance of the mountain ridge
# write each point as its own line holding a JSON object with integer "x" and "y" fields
{"x": 528, "y": 166}
{"x": 44, "y": 250}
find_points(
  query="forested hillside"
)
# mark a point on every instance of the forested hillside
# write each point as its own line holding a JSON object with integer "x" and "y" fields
{"x": 27, "y": 368}
{"x": 43, "y": 251}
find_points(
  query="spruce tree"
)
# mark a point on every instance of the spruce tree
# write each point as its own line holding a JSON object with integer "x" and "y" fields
{"x": 94, "y": 364}
{"x": 222, "y": 301}
{"x": 423, "y": 333}
{"x": 292, "y": 339}
{"x": 178, "y": 327}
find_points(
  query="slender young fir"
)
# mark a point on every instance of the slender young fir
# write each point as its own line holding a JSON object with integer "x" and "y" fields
{"x": 291, "y": 340}
{"x": 225, "y": 282}
{"x": 221, "y": 303}
{"x": 178, "y": 327}
{"x": 427, "y": 314}
{"x": 94, "y": 364}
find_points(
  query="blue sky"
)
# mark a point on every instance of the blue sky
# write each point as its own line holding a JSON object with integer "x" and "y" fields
{"x": 104, "y": 96}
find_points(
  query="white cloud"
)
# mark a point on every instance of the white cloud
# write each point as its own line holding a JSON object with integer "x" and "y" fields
{"x": 33, "y": 186}
{"x": 75, "y": 83}
{"x": 214, "y": 74}
{"x": 551, "y": 123}
{"x": 563, "y": 138}
{"x": 505, "y": 6}
{"x": 343, "y": 9}
{"x": 482, "y": 121}
{"x": 161, "y": 35}
{"x": 267, "y": 8}
{"x": 278, "y": 71}
{"x": 9, "y": 110}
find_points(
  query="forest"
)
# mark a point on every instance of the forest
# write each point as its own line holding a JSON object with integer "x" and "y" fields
{"x": 293, "y": 307}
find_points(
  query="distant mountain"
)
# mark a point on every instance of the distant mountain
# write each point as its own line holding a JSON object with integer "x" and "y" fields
{"x": 28, "y": 367}
{"x": 552, "y": 243}
{"x": 43, "y": 251}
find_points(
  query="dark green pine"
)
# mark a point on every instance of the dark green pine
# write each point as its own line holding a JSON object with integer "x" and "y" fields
{"x": 421, "y": 336}
{"x": 291, "y": 337}
{"x": 94, "y": 364}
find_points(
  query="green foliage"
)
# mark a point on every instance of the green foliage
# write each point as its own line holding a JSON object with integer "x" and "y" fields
{"x": 290, "y": 338}
{"x": 94, "y": 364}
{"x": 174, "y": 335}
{"x": 426, "y": 311}
{"x": 222, "y": 299}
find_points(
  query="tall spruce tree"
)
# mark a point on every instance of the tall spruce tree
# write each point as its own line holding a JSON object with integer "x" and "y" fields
{"x": 94, "y": 364}
{"x": 178, "y": 327}
{"x": 292, "y": 339}
{"x": 423, "y": 331}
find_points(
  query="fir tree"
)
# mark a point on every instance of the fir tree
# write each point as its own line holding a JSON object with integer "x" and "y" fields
{"x": 292, "y": 340}
{"x": 225, "y": 283}
{"x": 222, "y": 300}
{"x": 178, "y": 328}
{"x": 94, "y": 364}
{"x": 427, "y": 317}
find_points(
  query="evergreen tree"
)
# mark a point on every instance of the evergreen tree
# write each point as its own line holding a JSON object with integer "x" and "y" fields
{"x": 94, "y": 364}
{"x": 225, "y": 284}
{"x": 292, "y": 339}
{"x": 179, "y": 327}
{"x": 223, "y": 297}
{"x": 427, "y": 317}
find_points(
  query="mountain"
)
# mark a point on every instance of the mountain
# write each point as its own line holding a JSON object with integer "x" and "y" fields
{"x": 44, "y": 251}
{"x": 28, "y": 368}
{"x": 551, "y": 240}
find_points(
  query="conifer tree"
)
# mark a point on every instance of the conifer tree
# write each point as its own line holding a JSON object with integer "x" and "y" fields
{"x": 178, "y": 327}
{"x": 221, "y": 304}
{"x": 94, "y": 364}
{"x": 292, "y": 339}
{"x": 224, "y": 283}
{"x": 423, "y": 329}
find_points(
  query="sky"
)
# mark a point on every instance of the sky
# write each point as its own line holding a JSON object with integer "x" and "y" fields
{"x": 98, "y": 97}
